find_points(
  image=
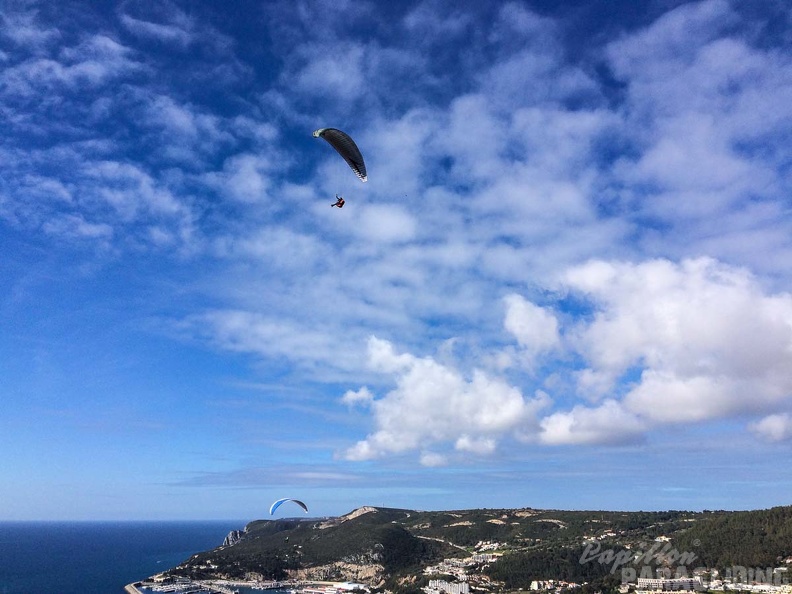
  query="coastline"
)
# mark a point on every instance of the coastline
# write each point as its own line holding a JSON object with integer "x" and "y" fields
{"x": 227, "y": 585}
{"x": 53, "y": 557}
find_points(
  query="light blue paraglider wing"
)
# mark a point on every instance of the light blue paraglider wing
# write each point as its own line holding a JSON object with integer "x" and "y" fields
{"x": 280, "y": 502}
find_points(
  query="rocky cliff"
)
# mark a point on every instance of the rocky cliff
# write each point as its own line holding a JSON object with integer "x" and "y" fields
{"x": 233, "y": 537}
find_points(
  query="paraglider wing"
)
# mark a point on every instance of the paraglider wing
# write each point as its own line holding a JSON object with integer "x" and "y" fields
{"x": 346, "y": 147}
{"x": 280, "y": 502}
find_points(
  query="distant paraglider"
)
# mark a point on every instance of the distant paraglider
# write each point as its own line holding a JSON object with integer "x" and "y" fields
{"x": 280, "y": 502}
{"x": 346, "y": 147}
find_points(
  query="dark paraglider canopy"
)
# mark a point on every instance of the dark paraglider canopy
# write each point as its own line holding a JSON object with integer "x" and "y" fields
{"x": 346, "y": 147}
{"x": 280, "y": 502}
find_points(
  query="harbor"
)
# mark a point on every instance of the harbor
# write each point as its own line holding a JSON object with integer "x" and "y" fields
{"x": 201, "y": 587}
{"x": 157, "y": 585}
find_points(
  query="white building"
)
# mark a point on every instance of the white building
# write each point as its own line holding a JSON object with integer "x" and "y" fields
{"x": 668, "y": 584}
{"x": 449, "y": 587}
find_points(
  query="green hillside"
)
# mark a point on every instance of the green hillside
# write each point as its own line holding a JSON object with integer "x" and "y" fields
{"x": 389, "y": 548}
{"x": 761, "y": 538}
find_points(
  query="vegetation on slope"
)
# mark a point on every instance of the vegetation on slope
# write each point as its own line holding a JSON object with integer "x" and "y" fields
{"x": 534, "y": 544}
{"x": 761, "y": 538}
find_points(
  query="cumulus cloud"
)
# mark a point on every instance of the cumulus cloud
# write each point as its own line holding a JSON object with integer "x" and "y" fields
{"x": 433, "y": 404}
{"x": 707, "y": 339}
{"x": 534, "y": 327}
{"x": 608, "y": 423}
{"x": 774, "y": 428}
{"x": 475, "y": 445}
{"x": 665, "y": 343}
{"x": 361, "y": 396}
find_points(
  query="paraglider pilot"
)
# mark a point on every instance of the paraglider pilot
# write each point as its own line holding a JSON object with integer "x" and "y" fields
{"x": 339, "y": 202}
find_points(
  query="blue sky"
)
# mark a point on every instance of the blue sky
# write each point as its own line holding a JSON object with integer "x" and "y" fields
{"x": 566, "y": 283}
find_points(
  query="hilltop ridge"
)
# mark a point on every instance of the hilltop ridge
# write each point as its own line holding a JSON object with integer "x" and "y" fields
{"x": 396, "y": 549}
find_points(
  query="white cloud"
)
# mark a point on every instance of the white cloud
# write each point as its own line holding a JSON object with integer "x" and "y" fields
{"x": 665, "y": 343}
{"x": 475, "y": 139}
{"x": 406, "y": 142}
{"x": 85, "y": 196}
{"x": 251, "y": 332}
{"x": 23, "y": 27}
{"x": 382, "y": 357}
{"x": 331, "y": 70}
{"x": 97, "y": 59}
{"x": 671, "y": 396}
{"x": 531, "y": 68}
{"x": 263, "y": 133}
{"x": 312, "y": 345}
{"x": 774, "y": 428}
{"x": 708, "y": 340}
{"x": 280, "y": 247}
{"x": 95, "y": 62}
{"x": 164, "y": 22}
{"x": 131, "y": 191}
{"x": 609, "y": 423}
{"x": 178, "y": 33}
{"x": 354, "y": 397}
{"x": 76, "y": 226}
{"x": 435, "y": 404}
{"x": 475, "y": 445}
{"x": 534, "y": 327}
{"x": 694, "y": 159}
{"x": 184, "y": 132}
{"x": 245, "y": 178}
{"x": 433, "y": 459}
{"x": 385, "y": 223}
{"x": 47, "y": 189}
{"x": 560, "y": 143}
{"x": 671, "y": 41}
{"x": 705, "y": 114}
{"x": 428, "y": 22}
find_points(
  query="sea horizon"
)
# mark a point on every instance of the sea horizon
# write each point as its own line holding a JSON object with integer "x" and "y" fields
{"x": 98, "y": 556}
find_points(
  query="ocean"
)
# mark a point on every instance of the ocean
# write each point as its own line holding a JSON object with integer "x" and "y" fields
{"x": 97, "y": 557}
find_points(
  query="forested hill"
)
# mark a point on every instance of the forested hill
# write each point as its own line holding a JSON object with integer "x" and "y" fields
{"x": 385, "y": 546}
{"x": 761, "y": 538}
